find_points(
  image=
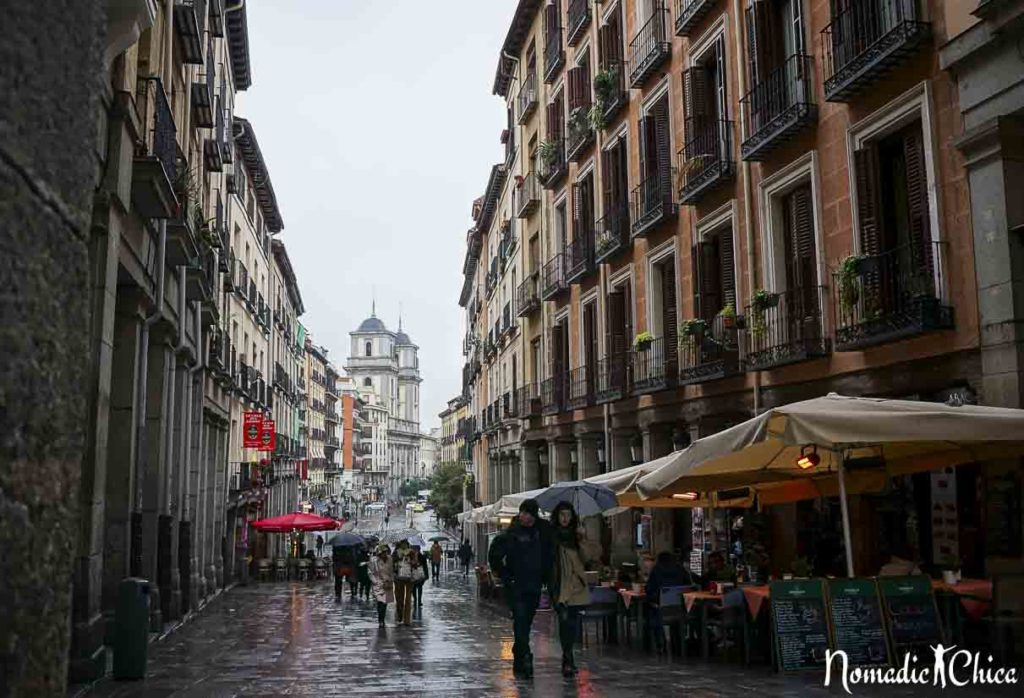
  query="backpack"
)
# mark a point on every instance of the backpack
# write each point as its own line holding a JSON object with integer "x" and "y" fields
{"x": 496, "y": 554}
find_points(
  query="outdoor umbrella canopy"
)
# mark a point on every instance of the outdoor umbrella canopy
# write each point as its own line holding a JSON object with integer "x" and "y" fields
{"x": 587, "y": 498}
{"x": 346, "y": 540}
{"x": 296, "y": 521}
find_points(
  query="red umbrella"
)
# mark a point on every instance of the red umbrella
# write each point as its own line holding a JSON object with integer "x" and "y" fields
{"x": 295, "y": 522}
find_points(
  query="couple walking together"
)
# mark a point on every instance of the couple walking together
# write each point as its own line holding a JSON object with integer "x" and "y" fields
{"x": 533, "y": 554}
{"x": 398, "y": 579}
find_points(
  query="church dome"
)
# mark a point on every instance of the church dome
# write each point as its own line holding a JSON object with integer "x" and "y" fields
{"x": 402, "y": 339}
{"x": 372, "y": 324}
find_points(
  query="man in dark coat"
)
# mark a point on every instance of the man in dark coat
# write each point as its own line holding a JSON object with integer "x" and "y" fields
{"x": 523, "y": 557}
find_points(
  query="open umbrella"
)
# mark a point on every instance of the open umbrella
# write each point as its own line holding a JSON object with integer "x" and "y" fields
{"x": 416, "y": 540}
{"x": 345, "y": 539}
{"x": 587, "y": 498}
{"x": 296, "y": 521}
{"x": 438, "y": 538}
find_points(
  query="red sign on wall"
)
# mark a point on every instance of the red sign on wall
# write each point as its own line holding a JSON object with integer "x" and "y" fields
{"x": 267, "y": 435}
{"x": 252, "y": 429}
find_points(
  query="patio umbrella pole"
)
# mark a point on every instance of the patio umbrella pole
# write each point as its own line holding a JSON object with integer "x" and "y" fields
{"x": 840, "y": 473}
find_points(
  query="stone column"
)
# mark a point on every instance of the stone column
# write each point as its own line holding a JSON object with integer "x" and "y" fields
{"x": 589, "y": 466}
{"x": 561, "y": 468}
{"x": 531, "y": 466}
{"x": 618, "y": 453}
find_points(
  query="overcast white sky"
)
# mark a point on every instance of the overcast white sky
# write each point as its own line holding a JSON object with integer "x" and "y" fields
{"x": 379, "y": 128}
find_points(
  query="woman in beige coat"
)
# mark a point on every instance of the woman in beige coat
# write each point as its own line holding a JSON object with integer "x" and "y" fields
{"x": 382, "y": 581}
{"x": 571, "y": 594}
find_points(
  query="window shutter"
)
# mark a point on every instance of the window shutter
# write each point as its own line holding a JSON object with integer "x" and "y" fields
{"x": 615, "y": 334}
{"x": 585, "y": 79}
{"x": 572, "y": 81}
{"x": 865, "y": 161}
{"x": 663, "y": 148}
{"x": 917, "y": 201}
{"x": 647, "y": 146}
{"x": 728, "y": 267}
{"x": 607, "y": 179}
{"x": 622, "y": 174}
{"x": 752, "y": 48}
{"x": 560, "y": 115}
{"x": 669, "y": 316}
{"x": 577, "y": 210}
{"x": 710, "y": 279}
{"x": 720, "y": 84}
{"x": 696, "y": 99}
{"x": 553, "y": 119}
{"x": 696, "y": 278}
{"x": 550, "y": 20}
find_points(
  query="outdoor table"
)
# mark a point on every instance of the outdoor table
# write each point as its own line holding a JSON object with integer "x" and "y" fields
{"x": 690, "y": 598}
{"x": 975, "y": 596}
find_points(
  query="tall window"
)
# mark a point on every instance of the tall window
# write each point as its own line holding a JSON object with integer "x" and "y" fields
{"x": 369, "y": 349}
{"x": 774, "y": 34}
{"x": 655, "y": 157}
{"x": 704, "y": 98}
{"x": 714, "y": 272}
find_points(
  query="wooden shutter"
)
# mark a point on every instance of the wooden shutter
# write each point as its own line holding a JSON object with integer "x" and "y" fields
{"x": 572, "y": 81}
{"x": 799, "y": 249}
{"x": 585, "y": 80}
{"x": 647, "y": 145}
{"x": 577, "y": 212}
{"x": 709, "y": 276}
{"x": 865, "y": 161}
{"x": 719, "y": 86}
{"x": 554, "y": 120}
{"x": 663, "y": 147}
{"x": 622, "y": 174}
{"x": 696, "y": 99}
{"x": 917, "y": 201}
{"x": 752, "y": 47}
{"x": 607, "y": 180}
{"x": 615, "y": 333}
{"x": 550, "y": 20}
{"x": 726, "y": 260}
{"x": 669, "y": 316}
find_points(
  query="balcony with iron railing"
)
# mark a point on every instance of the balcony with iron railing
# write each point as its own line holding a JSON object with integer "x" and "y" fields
{"x": 526, "y": 195}
{"x": 778, "y": 107}
{"x": 213, "y": 145}
{"x": 785, "y": 328}
{"x": 554, "y": 166}
{"x": 202, "y": 92}
{"x": 510, "y": 408}
{"x": 611, "y": 233}
{"x": 867, "y": 39}
{"x": 552, "y": 277}
{"x": 526, "y": 101}
{"x": 554, "y": 54}
{"x": 579, "y": 258}
{"x": 580, "y": 387}
{"x": 579, "y": 20}
{"x": 528, "y": 403}
{"x": 581, "y": 133}
{"x": 528, "y": 296}
{"x": 708, "y": 350}
{"x": 706, "y": 160}
{"x": 689, "y": 13}
{"x": 552, "y": 395}
{"x": 610, "y": 92}
{"x": 890, "y": 296}
{"x": 189, "y": 21}
{"x": 611, "y": 378}
{"x": 154, "y": 167}
{"x": 650, "y": 47}
{"x": 652, "y": 367}
{"x": 653, "y": 202}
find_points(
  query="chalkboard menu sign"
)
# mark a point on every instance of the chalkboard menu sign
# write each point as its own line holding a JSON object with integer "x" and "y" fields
{"x": 856, "y": 618}
{"x": 799, "y": 623}
{"x": 912, "y": 615}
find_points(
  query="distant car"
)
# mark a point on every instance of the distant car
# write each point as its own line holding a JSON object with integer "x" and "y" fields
{"x": 419, "y": 507}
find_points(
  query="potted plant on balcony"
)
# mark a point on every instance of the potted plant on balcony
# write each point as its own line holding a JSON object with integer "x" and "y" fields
{"x": 850, "y": 270}
{"x": 595, "y": 116}
{"x": 519, "y": 181}
{"x": 643, "y": 341}
{"x": 728, "y": 315}
{"x": 693, "y": 328}
{"x": 606, "y": 83}
{"x": 604, "y": 243}
{"x": 549, "y": 152}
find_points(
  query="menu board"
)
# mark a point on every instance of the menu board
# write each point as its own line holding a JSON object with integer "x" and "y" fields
{"x": 912, "y": 615}
{"x": 856, "y": 618}
{"x": 799, "y": 624}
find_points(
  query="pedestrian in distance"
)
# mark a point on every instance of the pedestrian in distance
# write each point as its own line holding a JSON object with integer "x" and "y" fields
{"x": 344, "y": 559}
{"x": 319, "y": 546}
{"x": 522, "y": 557}
{"x": 363, "y": 573}
{"x": 465, "y": 556}
{"x": 420, "y": 575}
{"x": 570, "y": 593}
{"x": 382, "y": 580}
{"x": 404, "y": 561}
{"x": 435, "y": 560}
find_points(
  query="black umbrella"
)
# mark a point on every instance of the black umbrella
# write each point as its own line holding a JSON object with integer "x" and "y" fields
{"x": 438, "y": 538}
{"x": 346, "y": 540}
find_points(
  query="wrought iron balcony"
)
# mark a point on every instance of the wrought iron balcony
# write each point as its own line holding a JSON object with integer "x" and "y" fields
{"x": 510, "y": 408}
{"x": 200, "y": 275}
{"x": 866, "y": 39}
{"x": 526, "y": 195}
{"x": 552, "y": 395}
{"x": 653, "y": 202}
{"x": 778, "y": 107}
{"x": 689, "y": 13}
{"x": 213, "y": 150}
{"x": 554, "y": 55}
{"x": 528, "y": 402}
{"x": 890, "y": 296}
{"x": 706, "y": 161}
{"x": 554, "y": 167}
{"x": 183, "y": 228}
{"x": 202, "y": 93}
{"x": 154, "y": 168}
{"x": 785, "y": 328}
{"x": 189, "y": 18}
{"x": 580, "y": 388}
{"x": 650, "y": 48}
{"x": 652, "y": 368}
{"x": 579, "y": 20}
{"x": 611, "y": 233}
{"x": 527, "y": 98}
{"x": 581, "y": 133}
{"x": 610, "y": 89}
{"x": 527, "y": 296}
{"x": 610, "y": 378}
{"x": 579, "y": 260}
{"x": 552, "y": 277}
{"x": 708, "y": 352}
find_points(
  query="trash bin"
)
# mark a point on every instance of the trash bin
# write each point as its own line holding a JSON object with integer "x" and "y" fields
{"x": 131, "y": 629}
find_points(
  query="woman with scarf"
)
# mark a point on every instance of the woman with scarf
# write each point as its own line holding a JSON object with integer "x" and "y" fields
{"x": 570, "y": 594}
{"x": 382, "y": 581}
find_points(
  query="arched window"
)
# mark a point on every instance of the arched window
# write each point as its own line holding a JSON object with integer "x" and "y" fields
{"x": 369, "y": 349}
{"x": 367, "y": 382}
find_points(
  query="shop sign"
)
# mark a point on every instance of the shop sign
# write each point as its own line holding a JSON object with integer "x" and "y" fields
{"x": 267, "y": 435}
{"x": 252, "y": 429}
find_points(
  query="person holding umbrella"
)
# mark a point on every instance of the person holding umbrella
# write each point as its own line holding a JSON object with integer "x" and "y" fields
{"x": 382, "y": 580}
{"x": 344, "y": 547}
{"x": 570, "y": 593}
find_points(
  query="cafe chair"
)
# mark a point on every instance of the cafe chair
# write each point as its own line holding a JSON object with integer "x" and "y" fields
{"x": 280, "y": 569}
{"x": 603, "y": 608}
{"x": 320, "y": 569}
{"x": 263, "y": 569}
{"x": 303, "y": 569}
{"x": 726, "y": 621}
{"x": 670, "y": 613}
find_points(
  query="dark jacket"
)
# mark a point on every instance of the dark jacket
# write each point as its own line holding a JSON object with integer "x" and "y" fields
{"x": 665, "y": 576}
{"x": 425, "y": 566}
{"x": 465, "y": 552}
{"x": 524, "y": 557}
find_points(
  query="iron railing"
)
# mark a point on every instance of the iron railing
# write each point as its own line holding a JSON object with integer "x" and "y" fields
{"x": 554, "y": 167}
{"x": 161, "y": 133}
{"x": 689, "y": 12}
{"x": 778, "y": 106}
{"x": 552, "y": 276}
{"x": 651, "y": 367}
{"x": 650, "y": 47}
{"x": 554, "y": 56}
{"x": 611, "y": 233}
{"x": 528, "y": 402}
{"x": 528, "y": 296}
{"x": 705, "y": 160}
{"x": 552, "y": 394}
{"x": 579, "y": 19}
{"x": 580, "y": 387}
{"x": 784, "y": 328}
{"x": 610, "y": 89}
{"x": 653, "y": 201}
{"x": 526, "y": 101}
{"x": 579, "y": 260}
{"x": 581, "y": 132}
{"x": 709, "y": 353}
{"x": 526, "y": 195}
{"x": 611, "y": 377}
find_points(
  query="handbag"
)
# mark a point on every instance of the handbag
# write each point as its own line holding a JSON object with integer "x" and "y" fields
{"x": 418, "y": 575}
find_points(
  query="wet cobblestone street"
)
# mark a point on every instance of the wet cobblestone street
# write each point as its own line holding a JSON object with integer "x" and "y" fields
{"x": 293, "y": 639}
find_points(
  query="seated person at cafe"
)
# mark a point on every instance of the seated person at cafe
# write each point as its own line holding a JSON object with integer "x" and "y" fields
{"x": 717, "y": 570}
{"x": 665, "y": 573}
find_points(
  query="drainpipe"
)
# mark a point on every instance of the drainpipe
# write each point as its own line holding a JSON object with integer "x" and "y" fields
{"x": 748, "y": 226}
{"x": 234, "y": 8}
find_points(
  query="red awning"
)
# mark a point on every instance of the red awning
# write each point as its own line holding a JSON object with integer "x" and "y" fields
{"x": 295, "y": 522}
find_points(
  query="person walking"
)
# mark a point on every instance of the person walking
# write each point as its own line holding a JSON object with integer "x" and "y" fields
{"x": 319, "y": 546}
{"x": 465, "y": 555}
{"x": 522, "y": 556}
{"x": 404, "y": 563}
{"x": 420, "y": 575}
{"x": 363, "y": 573}
{"x": 570, "y": 593}
{"x": 382, "y": 581}
{"x": 435, "y": 561}
{"x": 344, "y": 568}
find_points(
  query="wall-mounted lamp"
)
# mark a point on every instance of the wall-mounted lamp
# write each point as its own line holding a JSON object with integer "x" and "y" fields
{"x": 574, "y": 456}
{"x": 542, "y": 457}
{"x": 806, "y": 461}
{"x": 600, "y": 451}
